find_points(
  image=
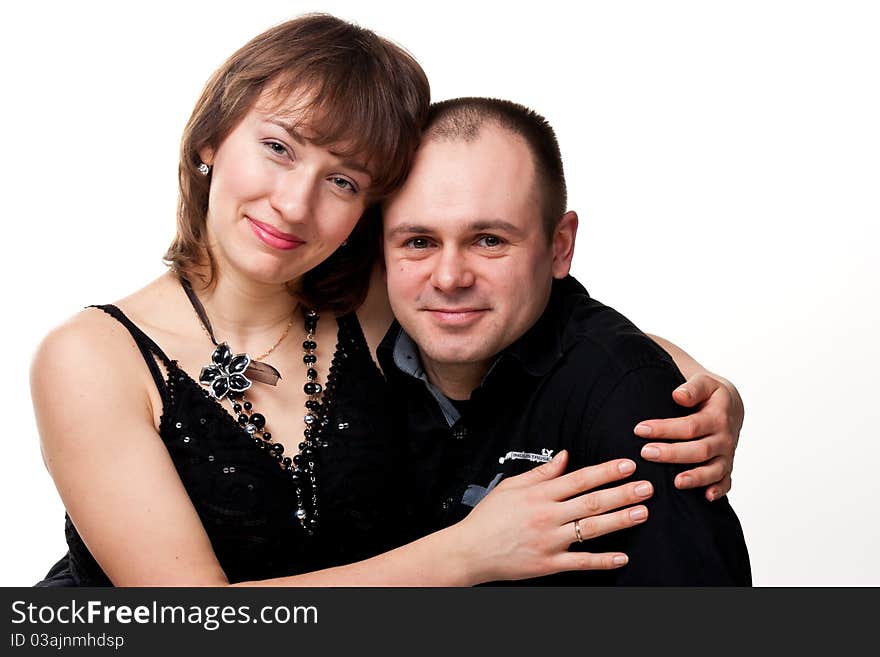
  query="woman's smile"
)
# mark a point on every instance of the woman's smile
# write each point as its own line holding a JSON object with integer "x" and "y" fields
{"x": 273, "y": 237}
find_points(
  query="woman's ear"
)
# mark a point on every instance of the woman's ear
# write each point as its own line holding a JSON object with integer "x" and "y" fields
{"x": 206, "y": 155}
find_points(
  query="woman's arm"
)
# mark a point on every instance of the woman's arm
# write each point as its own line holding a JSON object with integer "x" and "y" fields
{"x": 91, "y": 393}
{"x": 90, "y": 389}
{"x": 523, "y": 528}
{"x": 712, "y": 432}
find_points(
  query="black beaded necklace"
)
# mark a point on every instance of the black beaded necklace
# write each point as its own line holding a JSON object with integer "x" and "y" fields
{"x": 229, "y": 376}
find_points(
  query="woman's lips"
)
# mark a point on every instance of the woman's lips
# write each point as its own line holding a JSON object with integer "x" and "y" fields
{"x": 273, "y": 237}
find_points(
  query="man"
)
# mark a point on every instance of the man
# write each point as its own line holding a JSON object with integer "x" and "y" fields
{"x": 503, "y": 359}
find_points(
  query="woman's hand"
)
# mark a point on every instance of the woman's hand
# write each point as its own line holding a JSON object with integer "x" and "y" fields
{"x": 525, "y": 525}
{"x": 712, "y": 434}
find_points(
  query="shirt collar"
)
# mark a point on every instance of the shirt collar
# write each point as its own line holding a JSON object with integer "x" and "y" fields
{"x": 405, "y": 354}
{"x": 537, "y": 351}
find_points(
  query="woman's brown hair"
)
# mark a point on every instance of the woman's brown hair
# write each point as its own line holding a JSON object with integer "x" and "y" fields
{"x": 358, "y": 91}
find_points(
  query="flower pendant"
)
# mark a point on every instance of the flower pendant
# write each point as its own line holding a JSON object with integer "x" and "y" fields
{"x": 226, "y": 372}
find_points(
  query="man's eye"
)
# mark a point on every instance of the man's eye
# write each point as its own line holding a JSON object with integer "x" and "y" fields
{"x": 490, "y": 241}
{"x": 417, "y": 243}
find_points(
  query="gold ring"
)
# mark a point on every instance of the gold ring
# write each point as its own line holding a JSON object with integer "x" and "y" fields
{"x": 577, "y": 531}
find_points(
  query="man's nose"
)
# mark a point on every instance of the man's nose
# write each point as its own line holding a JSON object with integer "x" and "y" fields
{"x": 452, "y": 271}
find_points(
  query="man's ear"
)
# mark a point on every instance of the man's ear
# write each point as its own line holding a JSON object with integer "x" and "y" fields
{"x": 563, "y": 244}
{"x": 206, "y": 155}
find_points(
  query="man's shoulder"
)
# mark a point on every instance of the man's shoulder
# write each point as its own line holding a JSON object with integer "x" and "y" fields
{"x": 595, "y": 335}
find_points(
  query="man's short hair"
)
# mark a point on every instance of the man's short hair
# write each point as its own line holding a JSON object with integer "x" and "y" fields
{"x": 462, "y": 119}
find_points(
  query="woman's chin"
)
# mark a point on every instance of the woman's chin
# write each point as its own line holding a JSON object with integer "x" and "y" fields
{"x": 263, "y": 265}
{"x": 269, "y": 271}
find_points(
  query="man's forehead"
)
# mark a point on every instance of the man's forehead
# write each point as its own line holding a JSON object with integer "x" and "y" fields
{"x": 495, "y": 154}
{"x": 484, "y": 178}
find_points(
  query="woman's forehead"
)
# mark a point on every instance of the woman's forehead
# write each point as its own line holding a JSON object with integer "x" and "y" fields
{"x": 307, "y": 115}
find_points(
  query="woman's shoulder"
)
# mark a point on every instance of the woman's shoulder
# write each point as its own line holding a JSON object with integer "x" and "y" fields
{"x": 99, "y": 332}
{"x": 95, "y": 349}
{"x": 89, "y": 335}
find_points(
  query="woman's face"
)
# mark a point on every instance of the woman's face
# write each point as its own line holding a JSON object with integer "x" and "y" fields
{"x": 279, "y": 205}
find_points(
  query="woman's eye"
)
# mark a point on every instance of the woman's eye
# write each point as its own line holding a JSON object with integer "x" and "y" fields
{"x": 344, "y": 183}
{"x": 276, "y": 148}
{"x": 490, "y": 241}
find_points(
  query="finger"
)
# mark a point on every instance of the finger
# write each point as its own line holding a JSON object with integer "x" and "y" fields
{"x": 588, "y": 478}
{"x": 719, "y": 490}
{"x": 702, "y": 423}
{"x": 544, "y": 472}
{"x": 707, "y": 475}
{"x": 588, "y": 561}
{"x": 607, "y": 499}
{"x": 596, "y": 526}
{"x": 695, "y": 390}
{"x": 694, "y": 451}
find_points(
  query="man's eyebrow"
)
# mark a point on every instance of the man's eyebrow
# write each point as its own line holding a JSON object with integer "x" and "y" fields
{"x": 408, "y": 229}
{"x": 291, "y": 130}
{"x": 481, "y": 225}
{"x": 496, "y": 224}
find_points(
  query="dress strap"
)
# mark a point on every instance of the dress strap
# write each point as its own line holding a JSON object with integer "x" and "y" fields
{"x": 149, "y": 349}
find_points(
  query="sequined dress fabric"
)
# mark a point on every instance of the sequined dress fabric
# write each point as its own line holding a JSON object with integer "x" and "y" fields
{"x": 244, "y": 499}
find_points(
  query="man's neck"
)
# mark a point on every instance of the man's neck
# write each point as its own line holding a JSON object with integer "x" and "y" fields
{"x": 455, "y": 380}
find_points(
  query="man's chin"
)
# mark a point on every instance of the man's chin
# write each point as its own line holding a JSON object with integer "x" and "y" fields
{"x": 457, "y": 354}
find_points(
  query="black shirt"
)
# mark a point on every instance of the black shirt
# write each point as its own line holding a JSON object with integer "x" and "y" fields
{"x": 580, "y": 379}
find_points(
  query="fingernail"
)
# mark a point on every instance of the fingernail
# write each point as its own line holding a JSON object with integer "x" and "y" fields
{"x": 712, "y": 495}
{"x": 685, "y": 481}
{"x": 643, "y": 430}
{"x": 558, "y": 456}
{"x": 643, "y": 490}
{"x": 650, "y": 452}
{"x": 620, "y": 559}
{"x": 626, "y": 467}
{"x": 684, "y": 390}
{"x": 638, "y": 514}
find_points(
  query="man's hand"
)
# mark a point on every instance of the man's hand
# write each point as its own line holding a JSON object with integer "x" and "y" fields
{"x": 712, "y": 434}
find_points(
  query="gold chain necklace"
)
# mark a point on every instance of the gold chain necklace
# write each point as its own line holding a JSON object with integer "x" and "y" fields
{"x": 271, "y": 349}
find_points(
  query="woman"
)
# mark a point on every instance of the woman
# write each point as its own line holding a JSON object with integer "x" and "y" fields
{"x": 180, "y": 459}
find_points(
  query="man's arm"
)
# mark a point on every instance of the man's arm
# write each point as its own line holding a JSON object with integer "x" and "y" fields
{"x": 712, "y": 432}
{"x": 686, "y": 540}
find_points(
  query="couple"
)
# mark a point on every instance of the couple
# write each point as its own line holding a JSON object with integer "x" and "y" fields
{"x": 228, "y": 424}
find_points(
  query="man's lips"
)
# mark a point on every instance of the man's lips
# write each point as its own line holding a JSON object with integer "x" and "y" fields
{"x": 455, "y": 316}
{"x": 274, "y": 237}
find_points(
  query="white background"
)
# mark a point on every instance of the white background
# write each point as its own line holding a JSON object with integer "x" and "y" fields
{"x": 723, "y": 157}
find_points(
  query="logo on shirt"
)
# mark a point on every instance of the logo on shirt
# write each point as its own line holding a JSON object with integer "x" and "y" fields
{"x": 543, "y": 457}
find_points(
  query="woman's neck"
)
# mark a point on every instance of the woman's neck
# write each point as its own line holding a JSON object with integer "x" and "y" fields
{"x": 245, "y": 313}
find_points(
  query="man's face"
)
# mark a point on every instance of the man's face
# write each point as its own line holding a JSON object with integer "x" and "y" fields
{"x": 469, "y": 266}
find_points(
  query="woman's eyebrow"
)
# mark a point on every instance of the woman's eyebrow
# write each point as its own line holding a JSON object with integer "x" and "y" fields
{"x": 298, "y": 137}
{"x": 289, "y": 128}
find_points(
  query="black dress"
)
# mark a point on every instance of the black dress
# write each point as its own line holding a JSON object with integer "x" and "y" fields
{"x": 245, "y": 500}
